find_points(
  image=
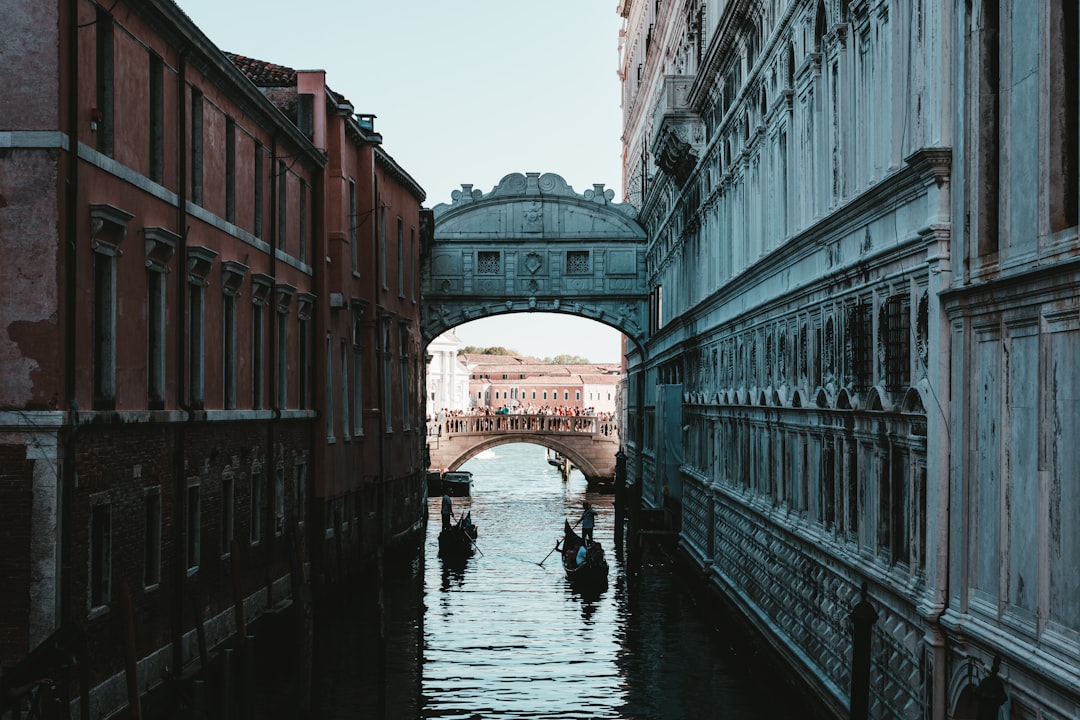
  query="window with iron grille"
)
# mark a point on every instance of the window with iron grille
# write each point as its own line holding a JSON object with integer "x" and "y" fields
{"x": 860, "y": 346}
{"x": 896, "y": 317}
{"x": 577, "y": 262}
{"x": 488, "y": 263}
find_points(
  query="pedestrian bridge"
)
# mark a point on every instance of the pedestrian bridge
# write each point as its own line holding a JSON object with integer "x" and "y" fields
{"x": 588, "y": 442}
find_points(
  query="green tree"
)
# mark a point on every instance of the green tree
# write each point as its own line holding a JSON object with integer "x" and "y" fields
{"x": 567, "y": 360}
{"x": 496, "y": 350}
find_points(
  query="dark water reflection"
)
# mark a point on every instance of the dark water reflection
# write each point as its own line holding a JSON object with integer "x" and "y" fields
{"x": 504, "y": 636}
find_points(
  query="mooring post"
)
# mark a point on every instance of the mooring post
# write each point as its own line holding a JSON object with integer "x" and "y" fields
{"x": 620, "y": 500}
{"x": 863, "y": 616}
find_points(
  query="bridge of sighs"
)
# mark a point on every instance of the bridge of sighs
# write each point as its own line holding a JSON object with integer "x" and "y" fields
{"x": 534, "y": 244}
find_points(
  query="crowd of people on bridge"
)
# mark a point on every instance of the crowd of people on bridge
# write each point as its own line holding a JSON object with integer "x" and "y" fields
{"x": 540, "y": 418}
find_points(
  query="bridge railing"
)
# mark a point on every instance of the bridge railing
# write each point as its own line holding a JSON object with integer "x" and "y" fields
{"x": 514, "y": 423}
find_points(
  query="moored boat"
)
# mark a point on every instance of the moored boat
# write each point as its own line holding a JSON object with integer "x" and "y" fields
{"x": 457, "y": 483}
{"x": 457, "y": 542}
{"x": 593, "y": 569}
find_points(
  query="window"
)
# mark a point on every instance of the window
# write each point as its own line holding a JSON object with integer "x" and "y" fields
{"x": 230, "y": 291}
{"x": 577, "y": 262}
{"x": 282, "y": 203}
{"x": 404, "y": 380}
{"x": 345, "y": 398}
{"x": 303, "y": 337}
{"x": 157, "y": 119}
{"x": 100, "y": 554}
{"x": 108, "y": 226}
{"x": 257, "y": 191}
{"x": 400, "y": 258}
{"x": 897, "y": 326}
{"x": 256, "y": 505}
{"x": 301, "y": 492}
{"x": 103, "y": 117}
{"x": 228, "y": 504}
{"x": 860, "y": 346}
{"x": 200, "y": 261}
{"x": 357, "y": 370}
{"x": 193, "y": 526}
{"x": 412, "y": 264}
{"x": 303, "y": 221}
{"x": 987, "y": 153}
{"x": 382, "y": 245}
{"x": 152, "y": 537}
{"x": 260, "y": 293}
{"x": 196, "y": 147}
{"x": 159, "y": 249}
{"x": 488, "y": 263}
{"x": 284, "y": 300}
{"x": 387, "y": 404}
{"x": 329, "y": 397}
{"x": 230, "y": 170}
{"x": 353, "y": 249}
{"x": 279, "y": 501}
{"x": 1065, "y": 109}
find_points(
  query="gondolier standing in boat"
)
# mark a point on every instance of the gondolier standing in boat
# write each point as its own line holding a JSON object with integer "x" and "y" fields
{"x": 447, "y": 509}
{"x": 588, "y": 520}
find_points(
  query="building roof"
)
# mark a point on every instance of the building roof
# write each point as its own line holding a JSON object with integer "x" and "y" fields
{"x": 262, "y": 73}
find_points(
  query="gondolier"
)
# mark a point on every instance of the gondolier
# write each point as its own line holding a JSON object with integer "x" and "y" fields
{"x": 588, "y": 521}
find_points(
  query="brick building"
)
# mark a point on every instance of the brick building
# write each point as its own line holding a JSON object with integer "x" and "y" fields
{"x": 497, "y": 381}
{"x": 210, "y": 361}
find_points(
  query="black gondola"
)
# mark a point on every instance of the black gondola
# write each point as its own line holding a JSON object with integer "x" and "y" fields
{"x": 457, "y": 542}
{"x": 594, "y": 570}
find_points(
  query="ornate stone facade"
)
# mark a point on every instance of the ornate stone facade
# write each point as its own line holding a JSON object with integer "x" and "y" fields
{"x": 861, "y": 218}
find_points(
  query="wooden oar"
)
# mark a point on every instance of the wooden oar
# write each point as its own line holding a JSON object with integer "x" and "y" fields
{"x": 541, "y": 563}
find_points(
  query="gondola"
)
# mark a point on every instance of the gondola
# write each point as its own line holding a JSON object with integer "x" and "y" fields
{"x": 457, "y": 542}
{"x": 592, "y": 572}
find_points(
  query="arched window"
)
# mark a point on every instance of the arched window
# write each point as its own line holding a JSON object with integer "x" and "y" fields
{"x": 819, "y": 27}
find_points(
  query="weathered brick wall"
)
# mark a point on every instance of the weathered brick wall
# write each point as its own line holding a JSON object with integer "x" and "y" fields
{"x": 15, "y": 509}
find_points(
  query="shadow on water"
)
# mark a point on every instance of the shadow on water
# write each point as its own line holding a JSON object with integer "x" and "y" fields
{"x": 505, "y": 635}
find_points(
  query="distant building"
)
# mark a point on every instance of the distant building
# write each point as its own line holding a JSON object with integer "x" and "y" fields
{"x": 498, "y": 381}
{"x": 447, "y": 376}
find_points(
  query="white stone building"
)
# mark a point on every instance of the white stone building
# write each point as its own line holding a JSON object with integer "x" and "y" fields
{"x": 447, "y": 376}
{"x": 865, "y": 328}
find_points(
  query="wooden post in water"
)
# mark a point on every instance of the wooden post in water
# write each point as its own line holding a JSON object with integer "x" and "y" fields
{"x": 131, "y": 664}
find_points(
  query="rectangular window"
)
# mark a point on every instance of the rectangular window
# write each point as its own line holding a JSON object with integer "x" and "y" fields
{"x": 157, "y": 119}
{"x": 382, "y": 246}
{"x": 103, "y": 115}
{"x": 229, "y": 341}
{"x": 282, "y": 359}
{"x": 256, "y": 506}
{"x": 301, "y": 492}
{"x": 488, "y": 263}
{"x": 354, "y": 250}
{"x": 152, "y": 538}
{"x": 196, "y": 147}
{"x": 100, "y": 554}
{"x": 104, "y": 331}
{"x": 155, "y": 338}
{"x": 577, "y": 395}
{"x": 897, "y": 343}
{"x": 303, "y": 221}
{"x": 196, "y": 344}
{"x": 279, "y": 501}
{"x": 861, "y": 343}
{"x": 257, "y": 356}
{"x": 194, "y": 526}
{"x": 230, "y": 170}
{"x": 577, "y": 262}
{"x": 329, "y": 390}
{"x": 228, "y": 504}
{"x": 302, "y": 372}
{"x": 282, "y": 203}
{"x": 1064, "y": 115}
{"x": 400, "y": 258}
{"x": 387, "y": 395}
{"x": 345, "y": 398}
{"x": 404, "y": 381}
{"x": 357, "y": 373}
{"x": 257, "y": 191}
{"x": 412, "y": 263}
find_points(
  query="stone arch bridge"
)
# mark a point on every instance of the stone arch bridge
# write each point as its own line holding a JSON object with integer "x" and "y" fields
{"x": 588, "y": 442}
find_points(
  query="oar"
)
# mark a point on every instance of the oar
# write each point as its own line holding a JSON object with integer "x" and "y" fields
{"x": 541, "y": 563}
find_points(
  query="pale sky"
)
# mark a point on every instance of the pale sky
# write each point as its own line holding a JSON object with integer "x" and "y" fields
{"x": 464, "y": 92}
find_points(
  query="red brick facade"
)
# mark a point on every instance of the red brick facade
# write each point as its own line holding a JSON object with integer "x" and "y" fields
{"x": 185, "y": 328}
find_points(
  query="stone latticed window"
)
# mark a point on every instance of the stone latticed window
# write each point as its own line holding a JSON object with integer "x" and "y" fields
{"x": 488, "y": 263}
{"x": 577, "y": 262}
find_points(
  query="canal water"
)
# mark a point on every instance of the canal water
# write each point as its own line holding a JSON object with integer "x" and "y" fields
{"x": 506, "y": 636}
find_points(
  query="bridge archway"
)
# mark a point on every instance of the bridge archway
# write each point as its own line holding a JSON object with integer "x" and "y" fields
{"x": 533, "y": 244}
{"x": 579, "y": 460}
